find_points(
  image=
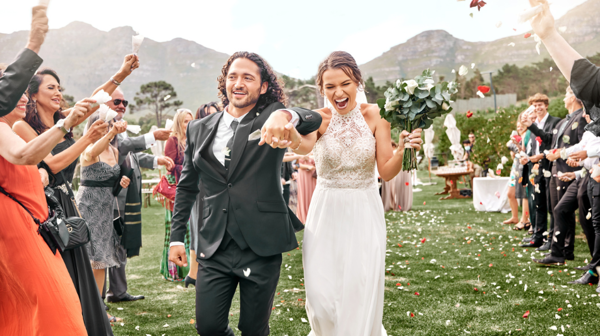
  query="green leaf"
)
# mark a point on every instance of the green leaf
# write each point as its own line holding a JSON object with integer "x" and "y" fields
{"x": 421, "y": 93}
{"x": 430, "y": 103}
{"x": 381, "y": 103}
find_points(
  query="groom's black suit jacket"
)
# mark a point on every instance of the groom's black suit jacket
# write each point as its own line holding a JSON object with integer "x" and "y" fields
{"x": 249, "y": 193}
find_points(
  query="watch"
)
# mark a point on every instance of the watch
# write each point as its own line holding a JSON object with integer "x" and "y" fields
{"x": 61, "y": 125}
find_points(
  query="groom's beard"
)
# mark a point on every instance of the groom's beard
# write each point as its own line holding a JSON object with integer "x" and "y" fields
{"x": 248, "y": 100}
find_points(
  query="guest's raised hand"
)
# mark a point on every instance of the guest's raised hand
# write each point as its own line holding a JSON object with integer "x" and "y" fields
{"x": 543, "y": 23}
{"x": 581, "y": 155}
{"x": 553, "y": 156}
{"x": 125, "y": 181}
{"x": 572, "y": 163}
{"x": 76, "y": 116}
{"x": 85, "y": 106}
{"x": 39, "y": 28}
{"x": 119, "y": 127}
{"x": 96, "y": 131}
{"x": 162, "y": 134}
{"x": 130, "y": 63}
{"x": 166, "y": 161}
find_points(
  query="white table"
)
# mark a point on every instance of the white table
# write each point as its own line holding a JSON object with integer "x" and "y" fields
{"x": 491, "y": 194}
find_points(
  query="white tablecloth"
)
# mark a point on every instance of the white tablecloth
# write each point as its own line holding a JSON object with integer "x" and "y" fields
{"x": 491, "y": 194}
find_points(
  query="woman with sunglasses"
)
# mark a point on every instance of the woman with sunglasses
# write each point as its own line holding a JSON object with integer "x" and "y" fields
{"x": 43, "y": 112}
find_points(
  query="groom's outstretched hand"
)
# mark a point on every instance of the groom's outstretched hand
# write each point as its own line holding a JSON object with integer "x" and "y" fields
{"x": 178, "y": 256}
{"x": 274, "y": 131}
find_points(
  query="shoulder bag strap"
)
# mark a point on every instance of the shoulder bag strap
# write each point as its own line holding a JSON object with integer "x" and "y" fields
{"x": 37, "y": 221}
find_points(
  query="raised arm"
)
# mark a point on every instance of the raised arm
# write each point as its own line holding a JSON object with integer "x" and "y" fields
{"x": 92, "y": 152}
{"x": 20, "y": 152}
{"x": 19, "y": 73}
{"x": 562, "y": 53}
{"x": 130, "y": 63}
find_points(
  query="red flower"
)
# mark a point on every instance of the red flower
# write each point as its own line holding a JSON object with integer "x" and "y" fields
{"x": 526, "y": 315}
{"x": 469, "y": 114}
{"x": 483, "y": 88}
{"x": 478, "y": 4}
{"x": 528, "y": 35}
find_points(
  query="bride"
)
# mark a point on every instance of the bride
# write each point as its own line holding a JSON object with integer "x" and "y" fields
{"x": 345, "y": 234}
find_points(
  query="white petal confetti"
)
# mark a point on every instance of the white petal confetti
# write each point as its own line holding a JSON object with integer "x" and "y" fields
{"x": 136, "y": 43}
{"x": 511, "y": 44}
{"x": 247, "y": 272}
{"x": 562, "y": 29}
{"x": 463, "y": 71}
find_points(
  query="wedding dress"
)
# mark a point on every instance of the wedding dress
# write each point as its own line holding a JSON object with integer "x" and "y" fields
{"x": 345, "y": 234}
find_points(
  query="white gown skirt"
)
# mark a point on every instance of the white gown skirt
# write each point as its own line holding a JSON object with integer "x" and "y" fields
{"x": 344, "y": 262}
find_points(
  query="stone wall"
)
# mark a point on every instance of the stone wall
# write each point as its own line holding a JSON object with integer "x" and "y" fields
{"x": 480, "y": 104}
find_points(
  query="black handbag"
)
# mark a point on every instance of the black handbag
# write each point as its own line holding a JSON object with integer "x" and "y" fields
{"x": 54, "y": 230}
{"x": 77, "y": 227}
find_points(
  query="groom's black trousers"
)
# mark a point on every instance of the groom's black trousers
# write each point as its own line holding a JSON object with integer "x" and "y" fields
{"x": 218, "y": 278}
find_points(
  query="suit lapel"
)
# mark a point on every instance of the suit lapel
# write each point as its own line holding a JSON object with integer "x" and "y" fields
{"x": 240, "y": 140}
{"x": 206, "y": 137}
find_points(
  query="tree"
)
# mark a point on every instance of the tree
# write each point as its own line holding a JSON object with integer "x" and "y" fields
{"x": 157, "y": 97}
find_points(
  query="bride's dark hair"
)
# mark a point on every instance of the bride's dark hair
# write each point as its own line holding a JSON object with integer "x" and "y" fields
{"x": 340, "y": 60}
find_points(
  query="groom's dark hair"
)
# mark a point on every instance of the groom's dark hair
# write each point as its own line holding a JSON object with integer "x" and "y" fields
{"x": 274, "y": 91}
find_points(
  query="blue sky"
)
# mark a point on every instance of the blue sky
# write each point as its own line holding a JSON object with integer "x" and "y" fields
{"x": 294, "y": 36}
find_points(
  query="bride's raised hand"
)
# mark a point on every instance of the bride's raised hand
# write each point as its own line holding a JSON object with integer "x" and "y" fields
{"x": 411, "y": 140}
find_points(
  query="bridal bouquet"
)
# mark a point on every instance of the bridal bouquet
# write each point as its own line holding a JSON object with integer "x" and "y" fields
{"x": 413, "y": 104}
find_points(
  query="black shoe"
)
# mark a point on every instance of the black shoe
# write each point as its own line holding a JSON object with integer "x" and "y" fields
{"x": 550, "y": 261}
{"x": 527, "y": 240}
{"x": 126, "y": 297}
{"x": 532, "y": 243}
{"x": 587, "y": 278}
{"x": 570, "y": 257}
{"x": 583, "y": 268}
{"x": 545, "y": 247}
{"x": 189, "y": 281}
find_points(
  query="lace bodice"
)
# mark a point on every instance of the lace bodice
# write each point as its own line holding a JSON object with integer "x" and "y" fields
{"x": 345, "y": 154}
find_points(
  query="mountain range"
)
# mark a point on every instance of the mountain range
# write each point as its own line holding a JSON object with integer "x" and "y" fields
{"x": 85, "y": 57}
{"x": 440, "y": 51}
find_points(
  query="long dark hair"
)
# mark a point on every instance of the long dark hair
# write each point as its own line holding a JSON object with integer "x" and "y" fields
{"x": 274, "y": 91}
{"x": 203, "y": 110}
{"x": 32, "y": 117}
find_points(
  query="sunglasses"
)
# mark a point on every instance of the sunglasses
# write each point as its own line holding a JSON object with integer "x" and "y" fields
{"x": 118, "y": 102}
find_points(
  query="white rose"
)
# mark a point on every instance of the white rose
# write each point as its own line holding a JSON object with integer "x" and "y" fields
{"x": 445, "y": 106}
{"x": 390, "y": 105}
{"x": 398, "y": 84}
{"x": 411, "y": 85}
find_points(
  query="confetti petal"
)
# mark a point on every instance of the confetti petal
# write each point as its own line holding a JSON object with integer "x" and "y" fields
{"x": 483, "y": 88}
{"x": 526, "y": 315}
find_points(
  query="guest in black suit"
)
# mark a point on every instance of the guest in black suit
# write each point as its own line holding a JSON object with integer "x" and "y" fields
{"x": 542, "y": 123}
{"x": 564, "y": 190}
{"x": 18, "y": 74}
{"x": 246, "y": 223}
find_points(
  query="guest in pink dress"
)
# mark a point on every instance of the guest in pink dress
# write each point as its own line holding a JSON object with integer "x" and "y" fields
{"x": 306, "y": 185}
{"x": 388, "y": 190}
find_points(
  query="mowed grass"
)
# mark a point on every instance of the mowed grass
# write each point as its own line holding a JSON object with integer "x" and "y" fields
{"x": 470, "y": 275}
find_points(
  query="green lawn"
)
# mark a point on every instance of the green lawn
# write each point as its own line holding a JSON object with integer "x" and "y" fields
{"x": 470, "y": 276}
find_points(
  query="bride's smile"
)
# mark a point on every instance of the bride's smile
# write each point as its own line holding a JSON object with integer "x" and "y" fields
{"x": 340, "y": 90}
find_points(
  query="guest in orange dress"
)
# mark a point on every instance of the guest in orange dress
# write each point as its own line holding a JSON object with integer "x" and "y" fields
{"x": 37, "y": 296}
{"x": 306, "y": 185}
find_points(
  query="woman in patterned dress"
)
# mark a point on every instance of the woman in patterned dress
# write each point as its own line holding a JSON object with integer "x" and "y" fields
{"x": 100, "y": 172}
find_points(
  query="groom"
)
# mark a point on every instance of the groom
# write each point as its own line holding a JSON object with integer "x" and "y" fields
{"x": 245, "y": 223}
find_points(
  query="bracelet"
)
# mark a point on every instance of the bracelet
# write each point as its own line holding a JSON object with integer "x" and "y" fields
{"x": 112, "y": 79}
{"x": 300, "y": 144}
